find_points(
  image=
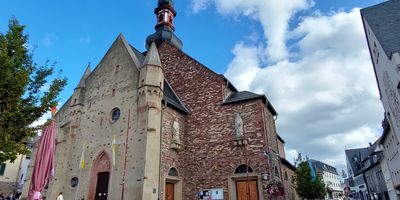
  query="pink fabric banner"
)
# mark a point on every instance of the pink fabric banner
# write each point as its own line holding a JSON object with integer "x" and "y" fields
{"x": 44, "y": 163}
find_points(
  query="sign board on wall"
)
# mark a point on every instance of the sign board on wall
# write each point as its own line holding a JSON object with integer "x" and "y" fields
{"x": 212, "y": 194}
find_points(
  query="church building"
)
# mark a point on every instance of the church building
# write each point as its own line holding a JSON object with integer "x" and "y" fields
{"x": 160, "y": 125}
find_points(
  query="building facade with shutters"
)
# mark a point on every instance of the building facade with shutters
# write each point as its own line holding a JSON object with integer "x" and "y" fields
{"x": 161, "y": 125}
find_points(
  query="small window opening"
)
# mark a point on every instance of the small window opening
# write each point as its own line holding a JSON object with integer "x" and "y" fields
{"x": 115, "y": 114}
{"x": 173, "y": 172}
{"x": 241, "y": 169}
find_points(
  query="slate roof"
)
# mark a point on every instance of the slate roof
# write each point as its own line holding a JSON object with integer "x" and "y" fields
{"x": 288, "y": 164}
{"x": 152, "y": 57}
{"x": 372, "y": 149}
{"x": 280, "y": 138}
{"x": 235, "y": 97}
{"x": 322, "y": 167}
{"x": 164, "y": 34}
{"x": 353, "y": 154}
{"x": 172, "y": 99}
{"x": 139, "y": 55}
{"x": 384, "y": 20}
{"x": 169, "y": 2}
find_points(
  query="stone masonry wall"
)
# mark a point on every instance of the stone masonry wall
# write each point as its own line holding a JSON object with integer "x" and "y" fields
{"x": 171, "y": 157}
{"x": 290, "y": 191}
{"x": 210, "y": 156}
{"x": 112, "y": 84}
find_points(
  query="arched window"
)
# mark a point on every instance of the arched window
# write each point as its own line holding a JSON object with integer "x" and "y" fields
{"x": 286, "y": 176}
{"x": 243, "y": 169}
{"x": 173, "y": 172}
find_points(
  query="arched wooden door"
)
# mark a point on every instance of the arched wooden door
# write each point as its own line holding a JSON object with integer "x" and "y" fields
{"x": 246, "y": 189}
{"x": 100, "y": 178}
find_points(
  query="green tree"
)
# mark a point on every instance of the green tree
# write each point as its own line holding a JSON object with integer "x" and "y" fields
{"x": 305, "y": 186}
{"x": 23, "y": 99}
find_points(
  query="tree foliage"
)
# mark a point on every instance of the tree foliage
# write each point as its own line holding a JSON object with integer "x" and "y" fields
{"x": 305, "y": 186}
{"x": 23, "y": 97}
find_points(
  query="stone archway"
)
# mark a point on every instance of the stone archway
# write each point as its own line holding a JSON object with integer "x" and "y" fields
{"x": 101, "y": 166}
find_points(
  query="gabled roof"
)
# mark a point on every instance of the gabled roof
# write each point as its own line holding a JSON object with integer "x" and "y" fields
{"x": 236, "y": 97}
{"x": 384, "y": 20}
{"x": 355, "y": 157}
{"x": 323, "y": 167}
{"x": 172, "y": 99}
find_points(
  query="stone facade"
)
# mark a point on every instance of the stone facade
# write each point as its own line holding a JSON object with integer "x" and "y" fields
{"x": 210, "y": 155}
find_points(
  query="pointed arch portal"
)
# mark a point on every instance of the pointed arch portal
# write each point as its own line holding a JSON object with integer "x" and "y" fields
{"x": 100, "y": 177}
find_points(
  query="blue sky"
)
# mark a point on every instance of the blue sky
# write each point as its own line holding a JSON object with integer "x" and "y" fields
{"x": 236, "y": 38}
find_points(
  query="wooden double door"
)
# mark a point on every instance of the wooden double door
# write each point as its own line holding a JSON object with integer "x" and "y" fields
{"x": 247, "y": 190}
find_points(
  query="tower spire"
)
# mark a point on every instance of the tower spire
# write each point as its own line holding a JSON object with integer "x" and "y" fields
{"x": 165, "y": 28}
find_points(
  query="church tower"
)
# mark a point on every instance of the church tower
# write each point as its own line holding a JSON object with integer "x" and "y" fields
{"x": 165, "y": 13}
{"x": 150, "y": 91}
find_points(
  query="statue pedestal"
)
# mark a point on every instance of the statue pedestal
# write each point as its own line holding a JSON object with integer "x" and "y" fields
{"x": 176, "y": 146}
{"x": 239, "y": 141}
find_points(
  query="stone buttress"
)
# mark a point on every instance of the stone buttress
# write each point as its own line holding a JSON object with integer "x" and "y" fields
{"x": 150, "y": 91}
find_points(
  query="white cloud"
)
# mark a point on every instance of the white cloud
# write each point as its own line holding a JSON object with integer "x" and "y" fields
{"x": 327, "y": 99}
{"x": 273, "y": 16}
{"x": 199, "y": 5}
{"x": 49, "y": 40}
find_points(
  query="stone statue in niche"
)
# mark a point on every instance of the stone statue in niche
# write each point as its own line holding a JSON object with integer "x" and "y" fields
{"x": 175, "y": 133}
{"x": 238, "y": 125}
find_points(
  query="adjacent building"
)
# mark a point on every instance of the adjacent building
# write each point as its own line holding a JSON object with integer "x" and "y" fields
{"x": 330, "y": 177}
{"x": 355, "y": 180}
{"x": 160, "y": 125}
{"x": 373, "y": 172}
{"x": 382, "y": 27}
{"x": 367, "y": 168}
{"x": 12, "y": 174}
{"x": 288, "y": 171}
